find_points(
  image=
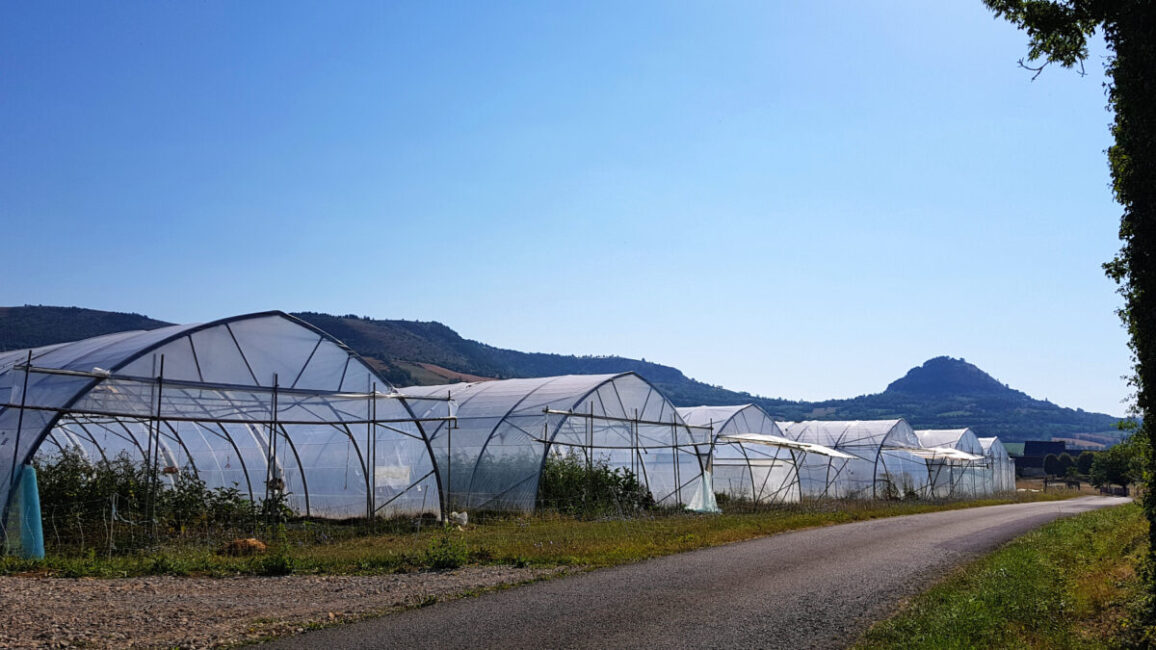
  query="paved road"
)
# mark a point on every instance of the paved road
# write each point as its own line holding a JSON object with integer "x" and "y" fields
{"x": 815, "y": 588}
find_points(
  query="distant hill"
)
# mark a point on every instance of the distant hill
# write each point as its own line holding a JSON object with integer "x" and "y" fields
{"x": 942, "y": 393}
{"x": 951, "y": 393}
{"x": 944, "y": 376}
{"x": 32, "y": 326}
{"x": 401, "y": 347}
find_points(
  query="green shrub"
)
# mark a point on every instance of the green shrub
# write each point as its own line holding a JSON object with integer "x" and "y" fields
{"x": 275, "y": 509}
{"x": 163, "y": 565}
{"x": 276, "y": 564}
{"x": 447, "y": 551}
{"x": 105, "y": 503}
{"x": 573, "y": 486}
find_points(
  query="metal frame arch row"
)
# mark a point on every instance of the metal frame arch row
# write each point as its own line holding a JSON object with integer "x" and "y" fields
{"x": 182, "y": 332}
{"x": 653, "y": 391}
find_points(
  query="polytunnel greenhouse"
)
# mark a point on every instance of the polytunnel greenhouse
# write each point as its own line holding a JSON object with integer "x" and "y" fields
{"x": 492, "y": 457}
{"x": 746, "y": 463}
{"x": 956, "y": 465}
{"x": 883, "y": 462}
{"x": 264, "y": 403}
{"x": 1003, "y": 468}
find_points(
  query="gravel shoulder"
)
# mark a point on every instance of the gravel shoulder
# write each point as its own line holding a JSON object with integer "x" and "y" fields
{"x": 810, "y": 588}
{"x": 815, "y": 588}
{"x": 167, "y": 612}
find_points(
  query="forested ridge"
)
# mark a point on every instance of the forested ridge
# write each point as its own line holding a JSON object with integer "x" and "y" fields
{"x": 941, "y": 393}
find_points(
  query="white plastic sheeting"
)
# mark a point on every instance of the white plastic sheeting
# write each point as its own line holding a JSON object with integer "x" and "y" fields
{"x": 882, "y": 463}
{"x": 783, "y": 443}
{"x": 747, "y": 471}
{"x": 704, "y": 499}
{"x": 492, "y": 459}
{"x": 240, "y": 401}
{"x": 956, "y": 476}
{"x": 946, "y": 452}
{"x": 1002, "y": 467}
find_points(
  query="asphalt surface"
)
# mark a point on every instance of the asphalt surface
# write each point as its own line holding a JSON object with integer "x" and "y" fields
{"x": 817, "y": 588}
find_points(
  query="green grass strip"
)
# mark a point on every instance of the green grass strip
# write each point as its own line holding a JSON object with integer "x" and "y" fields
{"x": 1070, "y": 584}
{"x": 541, "y": 540}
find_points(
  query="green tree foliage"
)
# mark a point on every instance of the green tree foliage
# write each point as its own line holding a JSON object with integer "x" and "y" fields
{"x": 1052, "y": 465}
{"x": 1058, "y": 32}
{"x": 1066, "y": 462}
{"x": 572, "y": 486}
{"x": 32, "y": 326}
{"x": 1120, "y": 465}
{"x": 1084, "y": 462}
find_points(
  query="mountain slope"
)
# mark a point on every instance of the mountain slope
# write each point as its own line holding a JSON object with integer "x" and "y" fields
{"x": 951, "y": 393}
{"x": 946, "y": 376}
{"x": 401, "y": 344}
{"x": 941, "y": 393}
{"x": 32, "y": 326}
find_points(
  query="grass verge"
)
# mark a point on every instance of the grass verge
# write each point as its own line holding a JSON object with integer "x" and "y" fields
{"x": 521, "y": 541}
{"x": 1070, "y": 584}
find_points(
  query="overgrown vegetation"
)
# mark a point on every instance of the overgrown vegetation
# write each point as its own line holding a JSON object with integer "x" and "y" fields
{"x": 120, "y": 505}
{"x": 1072, "y": 584}
{"x": 548, "y": 539}
{"x": 1058, "y": 32}
{"x": 571, "y": 485}
{"x": 447, "y": 551}
{"x": 1120, "y": 465}
{"x": 99, "y": 521}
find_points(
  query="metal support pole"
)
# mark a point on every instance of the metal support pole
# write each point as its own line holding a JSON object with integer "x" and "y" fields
{"x": 154, "y": 452}
{"x": 587, "y": 497}
{"x": 369, "y": 462}
{"x": 643, "y": 479}
{"x": 449, "y": 465}
{"x": 546, "y": 448}
{"x": 278, "y": 476}
{"x": 20, "y": 423}
{"x": 674, "y": 456}
{"x": 12, "y": 482}
{"x": 710, "y": 454}
{"x": 148, "y": 454}
{"x": 274, "y": 484}
{"x": 373, "y": 450}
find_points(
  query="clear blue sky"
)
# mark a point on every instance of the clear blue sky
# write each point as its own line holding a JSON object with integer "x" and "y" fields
{"x": 797, "y": 199}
